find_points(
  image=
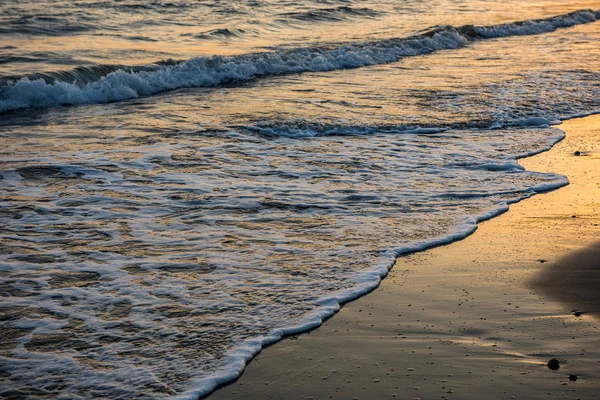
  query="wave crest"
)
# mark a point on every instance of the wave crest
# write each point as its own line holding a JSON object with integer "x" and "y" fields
{"x": 104, "y": 84}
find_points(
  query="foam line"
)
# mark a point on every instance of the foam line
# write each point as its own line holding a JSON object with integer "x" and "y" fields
{"x": 90, "y": 86}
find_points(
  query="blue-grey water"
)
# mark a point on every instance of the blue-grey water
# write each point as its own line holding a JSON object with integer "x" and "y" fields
{"x": 184, "y": 182}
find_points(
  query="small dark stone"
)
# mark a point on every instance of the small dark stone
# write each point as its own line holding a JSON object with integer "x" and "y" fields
{"x": 577, "y": 153}
{"x": 573, "y": 216}
{"x": 577, "y": 313}
{"x": 573, "y": 377}
{"x": 554, "y": 364}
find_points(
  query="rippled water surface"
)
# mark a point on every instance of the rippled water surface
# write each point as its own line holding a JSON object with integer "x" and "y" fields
{"x": 183, "y": 182}
{"x": 45, "y": 34}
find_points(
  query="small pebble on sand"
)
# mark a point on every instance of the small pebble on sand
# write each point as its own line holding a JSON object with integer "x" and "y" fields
{"x": 553, "y": 364}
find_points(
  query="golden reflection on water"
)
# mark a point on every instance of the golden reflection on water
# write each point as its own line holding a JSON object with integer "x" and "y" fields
{"x": 134, "y": 39}
{"x": 198, "y": 224}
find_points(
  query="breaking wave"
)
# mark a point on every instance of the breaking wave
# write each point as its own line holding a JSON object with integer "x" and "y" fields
{"x": 102, "y": 84}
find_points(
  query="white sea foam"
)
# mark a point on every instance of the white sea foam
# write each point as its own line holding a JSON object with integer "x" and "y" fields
{"x": 167, "y": 274}
{"x": 212, "y": 71}
{"x": 539, "y": 26}
{"x": 145, "y": 254}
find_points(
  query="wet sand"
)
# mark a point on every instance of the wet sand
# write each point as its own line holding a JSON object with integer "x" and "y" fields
{"x": 573, "y": 280}
{"x": 476, "y": 319}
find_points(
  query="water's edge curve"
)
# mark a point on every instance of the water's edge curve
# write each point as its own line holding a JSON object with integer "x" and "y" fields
{"x": 241, "y": 355}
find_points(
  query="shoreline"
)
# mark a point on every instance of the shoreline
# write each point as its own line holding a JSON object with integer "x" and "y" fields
{"x": 412, "y": 277}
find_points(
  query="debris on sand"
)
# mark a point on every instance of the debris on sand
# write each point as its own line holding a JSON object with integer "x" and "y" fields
{"x": 554, "y": 364}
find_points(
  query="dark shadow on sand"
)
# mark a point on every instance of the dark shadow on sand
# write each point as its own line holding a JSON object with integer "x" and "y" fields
{"x": 573, "y": 280}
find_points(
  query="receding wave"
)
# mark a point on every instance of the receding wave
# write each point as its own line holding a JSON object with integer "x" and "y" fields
{"x": 292, "y": 130}
{"x": 178, "y": 285}
{"x": 102, "y": 85}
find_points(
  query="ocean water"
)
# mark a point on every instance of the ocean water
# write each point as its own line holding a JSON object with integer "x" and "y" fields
{"x": 184, "y": 182}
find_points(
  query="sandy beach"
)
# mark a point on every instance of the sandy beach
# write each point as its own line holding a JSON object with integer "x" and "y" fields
{"x": 476, "y": 319}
